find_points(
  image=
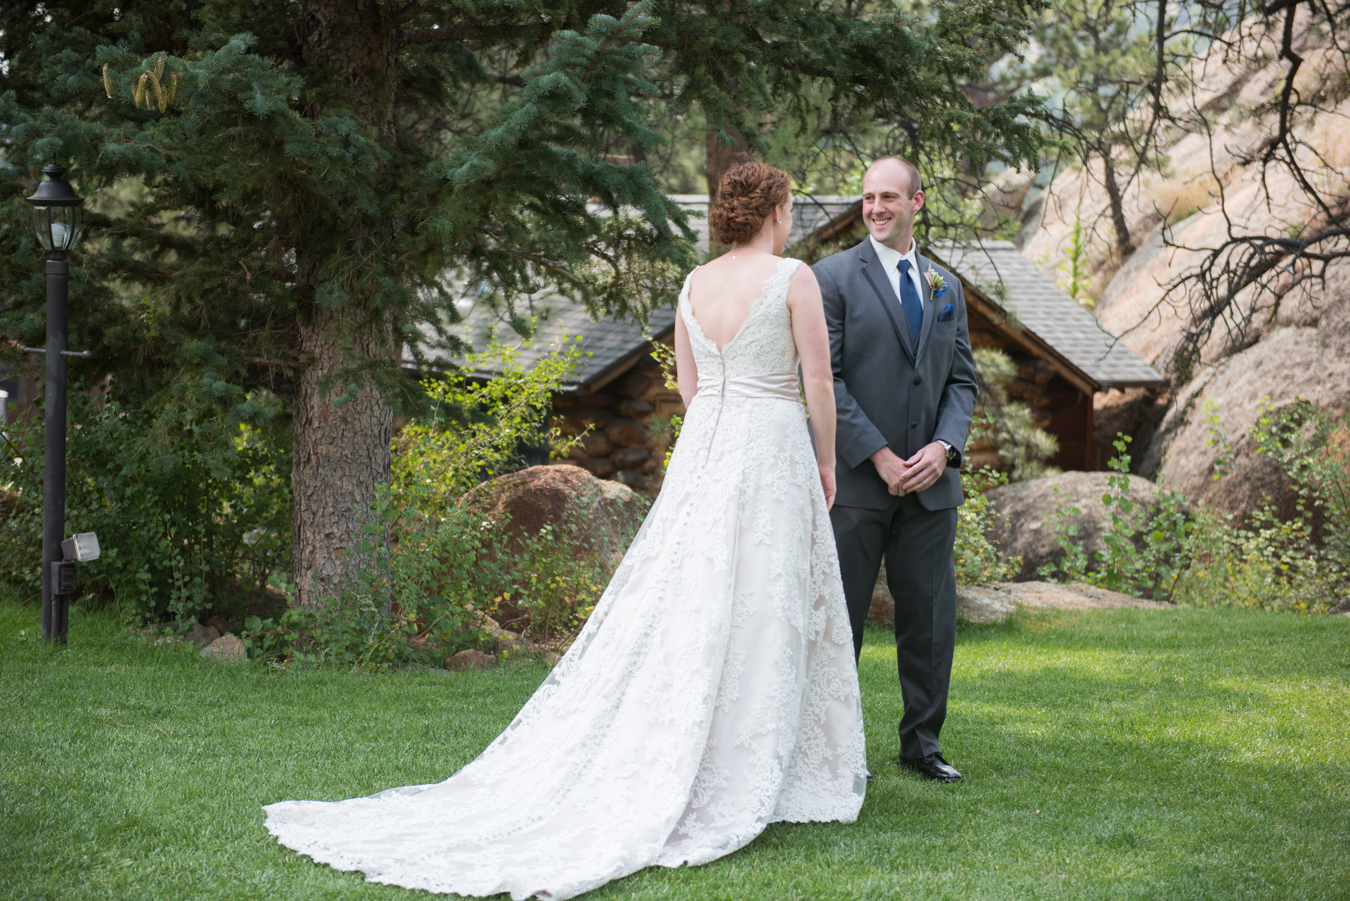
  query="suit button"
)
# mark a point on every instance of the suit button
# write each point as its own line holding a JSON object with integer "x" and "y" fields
{"x": 914, "y": 425}
{"x": 917, "y": 380}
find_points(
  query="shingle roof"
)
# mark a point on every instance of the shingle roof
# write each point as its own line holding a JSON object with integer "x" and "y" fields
{"x": 1046, "y": 311}
{"x": 810, "y": 214}
{"x": 608, "y": 342}
{"x": 604, "y": 344}
{"x": 1035, "y": 301}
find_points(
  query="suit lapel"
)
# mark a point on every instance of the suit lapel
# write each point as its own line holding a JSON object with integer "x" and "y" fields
{"x": 876, "y": 276}
{"x": 930, "y": 311}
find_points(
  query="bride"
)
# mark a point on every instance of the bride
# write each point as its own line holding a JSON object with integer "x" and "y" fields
{"x": 713, "y": 689}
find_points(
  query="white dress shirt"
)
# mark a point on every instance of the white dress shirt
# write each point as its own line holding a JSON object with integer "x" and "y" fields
{"x": 890, "y": 261}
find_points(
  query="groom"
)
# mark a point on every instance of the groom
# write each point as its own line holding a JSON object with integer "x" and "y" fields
{"x": 904, "y": 386}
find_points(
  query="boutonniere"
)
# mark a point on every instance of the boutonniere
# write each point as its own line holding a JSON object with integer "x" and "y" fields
{"x": 936, "y": 283}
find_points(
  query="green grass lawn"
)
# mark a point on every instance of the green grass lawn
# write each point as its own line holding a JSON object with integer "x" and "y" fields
{"x": 1116, "y": 754}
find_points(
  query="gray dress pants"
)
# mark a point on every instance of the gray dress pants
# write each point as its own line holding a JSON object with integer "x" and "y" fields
{"x": 921, "y": 574}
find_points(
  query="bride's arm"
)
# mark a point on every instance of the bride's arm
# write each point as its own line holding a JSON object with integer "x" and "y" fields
{"x": 686, "y": 371}
{"x": 813, "y": 346}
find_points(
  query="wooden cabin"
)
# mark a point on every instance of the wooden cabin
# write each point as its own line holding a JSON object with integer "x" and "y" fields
{"x": 1064, "y": 357}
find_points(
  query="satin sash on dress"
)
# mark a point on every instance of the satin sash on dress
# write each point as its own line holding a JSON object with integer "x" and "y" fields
{"x": 770, "y": 386}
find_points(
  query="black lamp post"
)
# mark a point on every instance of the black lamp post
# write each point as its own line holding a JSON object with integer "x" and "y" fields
{"x": 56, "y": 219}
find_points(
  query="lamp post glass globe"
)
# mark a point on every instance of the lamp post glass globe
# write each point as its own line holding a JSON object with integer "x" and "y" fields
{"x": 56, "y": 212}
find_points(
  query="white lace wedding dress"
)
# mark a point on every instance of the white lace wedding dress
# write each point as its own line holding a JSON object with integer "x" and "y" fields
{"x": 711, "y": 692}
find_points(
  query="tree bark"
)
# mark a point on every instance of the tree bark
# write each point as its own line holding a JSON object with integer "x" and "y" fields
{"x": 721, "y": 158}
{"x": 341, "y": 436}
{"x": 341, "y": 450}
{"x": 1124, "y": 246}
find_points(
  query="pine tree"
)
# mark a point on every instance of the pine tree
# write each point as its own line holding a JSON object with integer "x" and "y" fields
{"x": 286, "y": 199}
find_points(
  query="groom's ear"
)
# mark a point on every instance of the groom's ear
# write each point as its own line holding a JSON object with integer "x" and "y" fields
{"x": 917, "y": 200}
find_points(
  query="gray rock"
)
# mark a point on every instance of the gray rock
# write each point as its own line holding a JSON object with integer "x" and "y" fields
{"x": 1342, "y": 608}
{"x": 594, "y": 520}
{"x": 1025, "y": 525}
{"x": 226, "y": 647}
{"x": 982, "y": 604}
{"x": 985, "y": 604}
{"x": 470, "y": 659}
{"x": 203, "y": 635}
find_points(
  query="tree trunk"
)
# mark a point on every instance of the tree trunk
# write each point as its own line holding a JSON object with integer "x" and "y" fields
{"x": 721, "y": 158}
{"x": 342, "y": 423}
{"x": 1124, "y": 246}
{"x": 341, "y": 450}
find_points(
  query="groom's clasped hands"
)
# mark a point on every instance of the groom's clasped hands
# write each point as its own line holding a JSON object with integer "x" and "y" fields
{"x": 917, "y": 473}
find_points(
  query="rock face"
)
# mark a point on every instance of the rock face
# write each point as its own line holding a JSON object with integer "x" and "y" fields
{"x": 607, "y": 512}
{"x": 227, "y": 648}
{"x": 1025, "y": 524}
{"x": 1299, "y": 343}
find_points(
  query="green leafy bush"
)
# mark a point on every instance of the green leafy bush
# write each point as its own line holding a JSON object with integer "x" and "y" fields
{"x": 978, "y": 561}
{"x": 1300, "y": 564}
{"x": 473, "y": 429}
{"x": 188, "y": 520}
{"x": 1148, "y": 541}
{"x": 429, "y": 577}
{"x": 1161, "y": 547}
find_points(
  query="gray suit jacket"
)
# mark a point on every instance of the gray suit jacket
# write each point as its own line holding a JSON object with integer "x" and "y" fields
{"x": 886, "y": 390}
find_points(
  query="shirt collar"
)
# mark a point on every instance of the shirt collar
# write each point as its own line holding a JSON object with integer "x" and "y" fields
{"x": 891, "y": 258}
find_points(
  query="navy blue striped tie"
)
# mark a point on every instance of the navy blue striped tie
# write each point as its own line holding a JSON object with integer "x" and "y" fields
{"x": 909, "y": 301}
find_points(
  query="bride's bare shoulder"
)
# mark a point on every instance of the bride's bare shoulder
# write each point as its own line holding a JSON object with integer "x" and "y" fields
{"x": 803, "y": 287}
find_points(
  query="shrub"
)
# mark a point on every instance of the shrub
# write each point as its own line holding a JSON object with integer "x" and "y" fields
{"x": 473, "y": 429}
{"x": 1302, "y": 564}
{"x": 978, "y": 561}
{"x": 429, "y": 577}
{"x": 188, "y": 521}
{"x": 1007, "y": 424}
{"x": 1160, "y": 547}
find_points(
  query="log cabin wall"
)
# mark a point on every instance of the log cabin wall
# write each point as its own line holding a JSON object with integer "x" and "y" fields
{"x": 623, "y": 424}
{"x": 1057, "y": 405}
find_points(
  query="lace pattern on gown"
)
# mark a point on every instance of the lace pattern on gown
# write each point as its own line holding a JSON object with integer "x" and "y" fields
{"x": 711, "y": 692}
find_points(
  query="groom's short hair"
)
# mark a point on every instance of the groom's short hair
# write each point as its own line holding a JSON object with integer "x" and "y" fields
{"x": 915, "y": 180}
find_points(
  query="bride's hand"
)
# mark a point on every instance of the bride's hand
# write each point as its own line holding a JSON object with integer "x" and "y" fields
{"x": 827, "y": 483}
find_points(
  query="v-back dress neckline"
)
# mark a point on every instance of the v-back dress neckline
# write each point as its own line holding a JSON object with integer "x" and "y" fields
{"x": 749, "y": 311}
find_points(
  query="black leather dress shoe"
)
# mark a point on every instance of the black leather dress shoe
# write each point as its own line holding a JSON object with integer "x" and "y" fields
{"x": 932, "y": 767}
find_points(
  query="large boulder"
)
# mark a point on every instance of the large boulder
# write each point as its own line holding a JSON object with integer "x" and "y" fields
{"x": 1026, "y": 522}
{"x": 599, "y": 516}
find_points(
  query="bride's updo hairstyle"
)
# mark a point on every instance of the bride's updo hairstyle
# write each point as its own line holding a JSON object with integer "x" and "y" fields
{"x": 746, "y": 197}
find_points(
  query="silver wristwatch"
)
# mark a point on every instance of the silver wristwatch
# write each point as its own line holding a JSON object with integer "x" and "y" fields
{"x": 951, "y": 451}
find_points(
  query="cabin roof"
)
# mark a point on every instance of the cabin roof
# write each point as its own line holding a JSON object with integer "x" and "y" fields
{"x": 608, "y": 346}
{"x": 1032, "y": 303}
{"x": 1030, "y": 308}
{"x": 812, "y": 215}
